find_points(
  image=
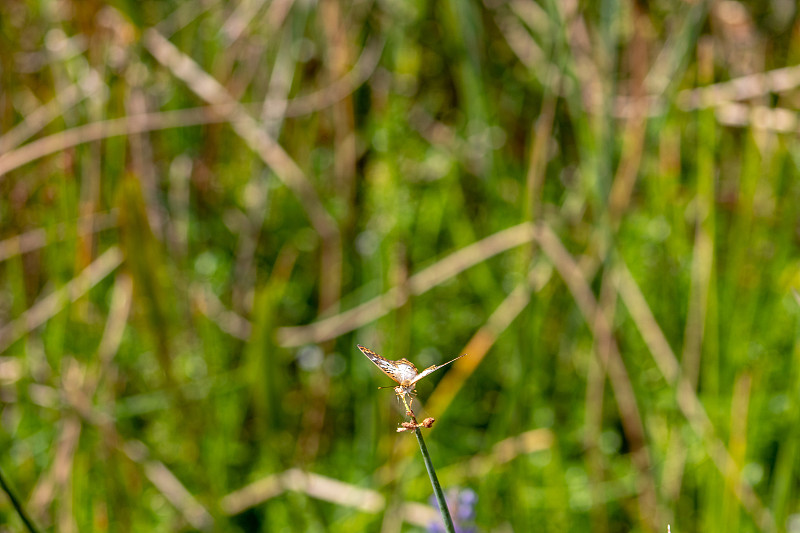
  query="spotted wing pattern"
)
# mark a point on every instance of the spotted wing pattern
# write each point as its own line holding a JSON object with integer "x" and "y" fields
{"x": 399, "y": 371}
{"x": 402, "y": 370}
{"x": 433, "y": 368}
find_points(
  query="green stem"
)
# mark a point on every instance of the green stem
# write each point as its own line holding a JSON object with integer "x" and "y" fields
{"x": 437, "y": 489}
{"x": 17, "y": 505}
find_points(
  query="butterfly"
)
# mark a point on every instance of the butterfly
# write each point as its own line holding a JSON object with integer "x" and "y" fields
{"x": 402, "y": 371}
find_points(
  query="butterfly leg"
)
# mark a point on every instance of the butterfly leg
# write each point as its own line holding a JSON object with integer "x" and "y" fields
{"x": 401, "y": 393}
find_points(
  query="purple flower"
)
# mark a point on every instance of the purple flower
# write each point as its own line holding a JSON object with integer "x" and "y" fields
{"x": 465, "y": 508}
{"x": 461, "y": 504}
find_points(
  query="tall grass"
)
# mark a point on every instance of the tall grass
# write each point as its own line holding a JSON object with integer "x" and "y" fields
{"x": 205, "y": 205}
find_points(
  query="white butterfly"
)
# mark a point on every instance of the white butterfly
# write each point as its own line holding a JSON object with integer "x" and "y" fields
{"x": 402, "y": 371}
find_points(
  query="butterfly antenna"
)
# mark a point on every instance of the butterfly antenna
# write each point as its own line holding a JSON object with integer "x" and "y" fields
{"x": 454, "y": 360}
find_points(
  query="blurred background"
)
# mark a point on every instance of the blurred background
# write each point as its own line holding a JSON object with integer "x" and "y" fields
{"x": 205, "y": 205}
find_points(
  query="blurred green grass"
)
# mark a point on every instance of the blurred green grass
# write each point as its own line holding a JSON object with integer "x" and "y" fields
{"x": 183, "y": 185}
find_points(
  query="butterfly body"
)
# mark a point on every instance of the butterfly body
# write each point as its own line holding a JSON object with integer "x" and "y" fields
{"x": 405, "y": 371}
{"x": 402, "y": 371}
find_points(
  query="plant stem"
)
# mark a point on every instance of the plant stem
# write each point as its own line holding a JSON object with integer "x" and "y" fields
{"x": 17, "y": 505}
{"x": 437, "y": 489}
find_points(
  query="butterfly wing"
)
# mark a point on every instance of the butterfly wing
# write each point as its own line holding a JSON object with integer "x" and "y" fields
{"x": 387, "y": 367}
{"x": 433, "y": 368}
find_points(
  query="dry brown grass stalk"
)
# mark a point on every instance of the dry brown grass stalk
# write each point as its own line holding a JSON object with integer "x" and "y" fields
{"x": 54, "y": 302}
{"x": 419, "y": 283}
